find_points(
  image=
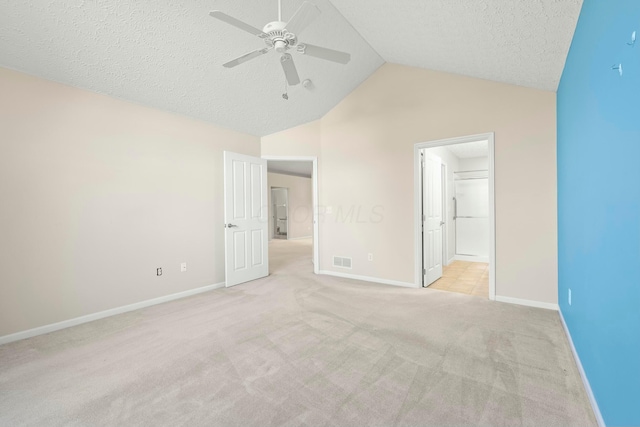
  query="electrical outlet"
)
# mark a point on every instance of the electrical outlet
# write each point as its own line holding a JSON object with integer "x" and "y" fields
{"x": 183, "y": 267}
{"x": 569, "y": 296}
{"x": 370, "y": 257}
{"x": 159, "y": 271}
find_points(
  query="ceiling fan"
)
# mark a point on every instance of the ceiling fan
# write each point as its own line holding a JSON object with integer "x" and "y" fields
{"x": 283, "y": 36}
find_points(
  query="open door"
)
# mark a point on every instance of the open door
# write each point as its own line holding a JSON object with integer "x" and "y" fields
{"x": 432, "y": 210}
{"x": 245, "y": 216}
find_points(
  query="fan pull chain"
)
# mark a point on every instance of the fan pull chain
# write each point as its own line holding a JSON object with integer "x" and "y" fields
{"x": 285, "y": 95}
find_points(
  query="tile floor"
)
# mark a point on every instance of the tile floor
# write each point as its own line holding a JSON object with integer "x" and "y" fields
{"x": 464, "y": 277}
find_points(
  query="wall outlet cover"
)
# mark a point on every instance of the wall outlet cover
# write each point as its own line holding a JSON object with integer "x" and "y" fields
{"x": 159, "y": 271}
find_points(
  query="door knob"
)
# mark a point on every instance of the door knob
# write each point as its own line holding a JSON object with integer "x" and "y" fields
{"x": 230, "y": 225}
{"x": 441, "y": 223}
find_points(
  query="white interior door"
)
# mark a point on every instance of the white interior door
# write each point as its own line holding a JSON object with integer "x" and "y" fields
{"x": 432, "y": 218}
{"x": 246, "y": 218}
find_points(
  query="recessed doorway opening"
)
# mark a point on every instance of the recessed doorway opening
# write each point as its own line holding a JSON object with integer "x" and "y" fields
{"x": 293, "y": 211}
{"x": 455, "y": 225}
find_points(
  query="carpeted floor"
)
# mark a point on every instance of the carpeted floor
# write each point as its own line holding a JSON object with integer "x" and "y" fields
{"x": 296, "y": 349}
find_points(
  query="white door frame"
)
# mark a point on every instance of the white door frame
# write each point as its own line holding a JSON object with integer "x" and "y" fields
{"x": 417, "y": 186}
{"x": 314, "y": 185}
{"x": 445, "y": 205}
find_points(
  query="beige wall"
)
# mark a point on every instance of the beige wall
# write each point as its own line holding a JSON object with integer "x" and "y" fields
{"x": 95, "y": 194}
{"x": 300, "y": 204}
{"x": 366, "y": 163}
{"x": 303, "y": 140}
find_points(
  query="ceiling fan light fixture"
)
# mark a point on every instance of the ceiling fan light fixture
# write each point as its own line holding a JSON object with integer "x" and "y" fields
{"x": 281, "y": 46}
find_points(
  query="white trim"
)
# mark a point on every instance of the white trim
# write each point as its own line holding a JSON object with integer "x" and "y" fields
{"x": 583, "y": 375}
{"x": 471, "y": 258}
{"x": 417, "y": 191}
{"x": 300, "y": 238}
{"x": 445, "y": 214}
{"x": 368, "y": 279}
{"x": 528, "y": 302}
{"x": 492, "y": 218}
{"x": 106, "y": 313}
{"x": 316, "y": 204}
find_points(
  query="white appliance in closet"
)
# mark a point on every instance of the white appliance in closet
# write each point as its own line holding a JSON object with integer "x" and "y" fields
{"x": 471, "y": 214}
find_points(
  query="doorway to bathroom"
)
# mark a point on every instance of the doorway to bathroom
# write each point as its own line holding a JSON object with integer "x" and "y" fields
{"x": 455, "y": 226}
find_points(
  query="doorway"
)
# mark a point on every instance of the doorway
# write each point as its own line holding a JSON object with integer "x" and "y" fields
{"x": 455, "y": 225}
{"x": 293, "y": 211}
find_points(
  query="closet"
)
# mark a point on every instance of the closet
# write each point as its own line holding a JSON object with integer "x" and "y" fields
{"x": 471, "y": 213}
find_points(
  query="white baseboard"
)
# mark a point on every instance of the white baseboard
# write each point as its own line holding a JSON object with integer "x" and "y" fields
{"x": 368, "y": 279}
{"x": 527, "y": 302}
{"x": 102, "y": 314}
{"x": 300, "y": 238}
{"x": 583, "y": 375}
{"x": 471, "y": 258}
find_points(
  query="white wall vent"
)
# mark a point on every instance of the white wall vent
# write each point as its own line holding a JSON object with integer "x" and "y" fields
{"x": 341, "y": 262}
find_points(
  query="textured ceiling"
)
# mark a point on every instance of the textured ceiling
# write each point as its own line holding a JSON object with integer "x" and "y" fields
{"x": 522, "y": 42}
{"x": 168, "y": 54}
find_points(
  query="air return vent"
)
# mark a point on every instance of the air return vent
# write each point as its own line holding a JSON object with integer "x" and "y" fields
{"x": 341, "y": 262}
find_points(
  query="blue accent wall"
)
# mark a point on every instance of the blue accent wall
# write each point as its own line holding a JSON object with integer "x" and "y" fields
{"x": 599, "y": 204}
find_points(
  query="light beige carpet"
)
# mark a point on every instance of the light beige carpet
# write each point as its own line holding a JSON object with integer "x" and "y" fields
{"x": 296, "y": 349}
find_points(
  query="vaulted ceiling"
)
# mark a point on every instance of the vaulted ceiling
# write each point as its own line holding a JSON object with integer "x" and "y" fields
{"x": 521, "y": 42}
{"x": 167, "y": 54}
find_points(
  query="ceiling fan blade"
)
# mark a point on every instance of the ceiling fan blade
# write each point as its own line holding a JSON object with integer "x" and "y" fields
{"x": 237, "y": 23}
{"x": 302, "y": 18}
{"x": 290, "y": 71}
{"x": 246, "y": 57}
{"x": 324, "y": 53}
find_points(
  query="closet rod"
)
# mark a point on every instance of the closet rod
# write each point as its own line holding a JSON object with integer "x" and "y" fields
{"x": 467, "y": 179}
{"x": 476, "y": 170}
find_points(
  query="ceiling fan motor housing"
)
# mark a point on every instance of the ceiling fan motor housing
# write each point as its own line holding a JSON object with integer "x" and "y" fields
{"x": 278, "y": 36}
